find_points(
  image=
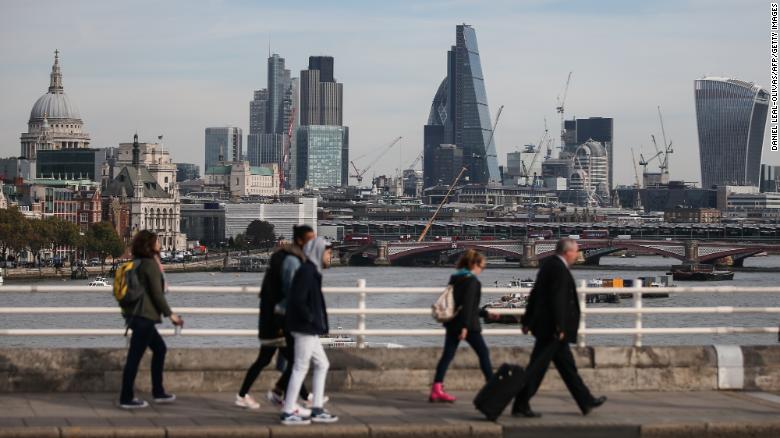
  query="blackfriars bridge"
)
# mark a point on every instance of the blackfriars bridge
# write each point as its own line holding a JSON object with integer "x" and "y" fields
{"x": 531, "y": 252}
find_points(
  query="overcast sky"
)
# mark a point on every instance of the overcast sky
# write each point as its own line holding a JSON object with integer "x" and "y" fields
{"x": 176, "y": 67}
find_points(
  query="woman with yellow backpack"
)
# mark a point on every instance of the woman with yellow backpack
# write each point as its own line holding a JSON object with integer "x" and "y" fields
{"x": 139, "y": 287}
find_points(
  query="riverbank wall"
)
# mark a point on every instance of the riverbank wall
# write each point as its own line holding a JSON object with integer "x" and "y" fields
{"x": 681, "y": 368}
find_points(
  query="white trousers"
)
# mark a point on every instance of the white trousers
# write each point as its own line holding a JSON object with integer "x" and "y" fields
{"x": 308, "y": 349}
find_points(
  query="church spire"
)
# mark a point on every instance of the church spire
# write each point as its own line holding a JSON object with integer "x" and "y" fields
{"x": 136, "y": 151}
{"x": 55, "y": 84}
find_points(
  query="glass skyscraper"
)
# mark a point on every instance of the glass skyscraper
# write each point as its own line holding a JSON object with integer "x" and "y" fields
{"x": 731, "y": 117}
{"x": 322, "y": 154}
{"x": 223, "y": 144}
{"x": 460, "y": 109}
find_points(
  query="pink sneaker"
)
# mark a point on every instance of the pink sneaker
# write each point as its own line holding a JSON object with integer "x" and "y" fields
{"x": 438, "y": 394}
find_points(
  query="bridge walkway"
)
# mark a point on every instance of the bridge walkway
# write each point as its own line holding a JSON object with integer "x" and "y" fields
{"x": 395, "y": 414}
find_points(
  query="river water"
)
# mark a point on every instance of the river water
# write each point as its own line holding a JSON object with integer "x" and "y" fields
{"x": 401, "y": 276}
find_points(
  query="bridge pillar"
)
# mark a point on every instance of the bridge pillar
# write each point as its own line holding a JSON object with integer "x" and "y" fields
{"x": 529, "y": 260}
{"x": 691, "y": 251}
{"x": 381, "y": 254}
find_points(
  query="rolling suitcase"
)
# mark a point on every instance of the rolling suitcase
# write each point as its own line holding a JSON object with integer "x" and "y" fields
{"x": 493, "y": 398}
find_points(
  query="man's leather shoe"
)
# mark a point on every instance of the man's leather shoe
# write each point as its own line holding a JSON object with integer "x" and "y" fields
{"x": 594, "y": 404}
{"x": 527, "y": 413}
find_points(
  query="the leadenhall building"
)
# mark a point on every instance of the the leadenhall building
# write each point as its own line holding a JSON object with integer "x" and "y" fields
{"x": 55, "y": 122}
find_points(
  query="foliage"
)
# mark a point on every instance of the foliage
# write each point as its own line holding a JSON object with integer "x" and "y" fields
{"x": 260, "y": 234}
{"x": 14, "y": 230}
{"x": 239, "y": 242}
{"x": 103, "y": 240}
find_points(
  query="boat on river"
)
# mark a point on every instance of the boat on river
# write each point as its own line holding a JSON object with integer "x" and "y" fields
{"x": 700, "y": 272}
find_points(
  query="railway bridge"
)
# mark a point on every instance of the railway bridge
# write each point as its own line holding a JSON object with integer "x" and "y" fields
{"x": 531, "y": 252}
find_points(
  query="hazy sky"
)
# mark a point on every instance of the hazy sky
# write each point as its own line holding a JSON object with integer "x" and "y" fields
{"x": 176, "y": 67}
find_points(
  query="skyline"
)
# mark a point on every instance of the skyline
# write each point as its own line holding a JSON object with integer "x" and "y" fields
{"x": 179, "y": 70}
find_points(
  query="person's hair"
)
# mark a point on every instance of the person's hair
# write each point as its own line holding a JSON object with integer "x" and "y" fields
{"x": 143, "y": 244}
{"x": 564, "y": 244}
{"x": 469, "y": 259}
{"x": 300, "y": 231}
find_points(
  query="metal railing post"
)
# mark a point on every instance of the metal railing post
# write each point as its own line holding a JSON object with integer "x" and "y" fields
{"x": 638, "y": 314}
{"x": 581, "y": 297}
{"x": 361, "y": 318}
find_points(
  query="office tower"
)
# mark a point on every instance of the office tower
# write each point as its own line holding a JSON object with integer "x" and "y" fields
{"x": 448, "y": 161}
{"x": 322, "y": 154}
{"x": 731, "y": 117}
{"x": 223, "y": 144}
{"x": 310, "y": 97}
{"x": 257, "y": 112}
{"x": 187, "y": 171}
{"x": 324, "y": 64}
{"x": 278, "y": 82}
{"x": 599, "y": 129}
{"x": 460, "y": 106}
{"x": 321, "y": 126}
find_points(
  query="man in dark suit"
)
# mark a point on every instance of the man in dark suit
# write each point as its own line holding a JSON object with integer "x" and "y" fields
{"x": 553, "y": 316}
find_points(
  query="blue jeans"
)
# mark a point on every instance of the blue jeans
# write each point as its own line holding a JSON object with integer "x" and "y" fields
{"x": 451, "y": 343}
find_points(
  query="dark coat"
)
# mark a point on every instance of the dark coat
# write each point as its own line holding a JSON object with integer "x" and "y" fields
{"x": 271, "y": 324}
{"x": 553, "y": 306}
{"x": 306, "y": 311}
{"x": 153, "y": 304}
{"x": 467, "y": 292}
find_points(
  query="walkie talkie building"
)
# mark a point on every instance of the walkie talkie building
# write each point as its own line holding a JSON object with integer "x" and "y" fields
{"x": 731, "y": 117}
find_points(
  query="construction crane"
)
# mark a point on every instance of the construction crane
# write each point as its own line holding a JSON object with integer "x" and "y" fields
{"x": 543, "y": 140}
{"x": 416, "y": 160}
{"x": 560, "y": 107}
{"x": 664, "y": 164}
{"x": 636, "y": 171}
{"x": 441, "y": 204}
{"x": 358, "y": 175}
{"x": 493, "y": 131}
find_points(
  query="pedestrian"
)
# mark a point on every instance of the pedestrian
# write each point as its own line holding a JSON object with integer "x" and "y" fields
{"x": 282, "y": 266}
{"x": 142, "y": 320}
{"x": 553, "y": 317}
{"x": 467, "y": 293}
{"x": 307, "y": 320}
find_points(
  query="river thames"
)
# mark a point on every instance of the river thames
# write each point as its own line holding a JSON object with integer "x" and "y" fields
{"x": 401, "y": 277}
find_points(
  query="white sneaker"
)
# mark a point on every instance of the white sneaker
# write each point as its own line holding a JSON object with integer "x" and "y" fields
{"x": 302, "y": 412}
{"x": 294, "y": 420}
{"x": 274, "y": 398}
{"x": 310, "y": 400}
{"x": 247, "y": 401}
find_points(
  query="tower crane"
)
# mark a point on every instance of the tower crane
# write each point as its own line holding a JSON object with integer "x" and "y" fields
{"x": 441, "y": 204}
{"x": 358, "y": 174}
{"x": 636, "y": 171}
{"x": 664, "y": 165}
{"x": 416, "y": 160}
{"x": 561, "y": 103}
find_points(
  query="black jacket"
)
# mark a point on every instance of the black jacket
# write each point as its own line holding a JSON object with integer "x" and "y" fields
{"x": 270, "y": 324}
{"x": 306, "y": 311}
{"x": 553, "y": 305}
{"x": 467, "y": 292}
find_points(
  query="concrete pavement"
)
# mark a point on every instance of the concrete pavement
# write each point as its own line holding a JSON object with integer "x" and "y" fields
{"x": 395, "y": 414}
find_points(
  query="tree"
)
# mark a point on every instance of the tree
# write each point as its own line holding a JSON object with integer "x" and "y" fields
{"x": 103, "y": 240}
{"x": 260, "y": 234}
{"x": 239, "y": 242}
{"x": 65, "y": 234}
{"x": 14, "y": 230}
{"x": 39, "y": 237}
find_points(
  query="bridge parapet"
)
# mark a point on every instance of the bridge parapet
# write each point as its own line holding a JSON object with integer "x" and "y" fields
{"x": 215, "y": 370}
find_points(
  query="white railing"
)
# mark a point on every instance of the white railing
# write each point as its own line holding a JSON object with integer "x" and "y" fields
{"x": 362, "y": 311}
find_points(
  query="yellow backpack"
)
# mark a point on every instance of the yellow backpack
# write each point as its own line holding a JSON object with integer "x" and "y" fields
{"x": 128, "y": 290}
